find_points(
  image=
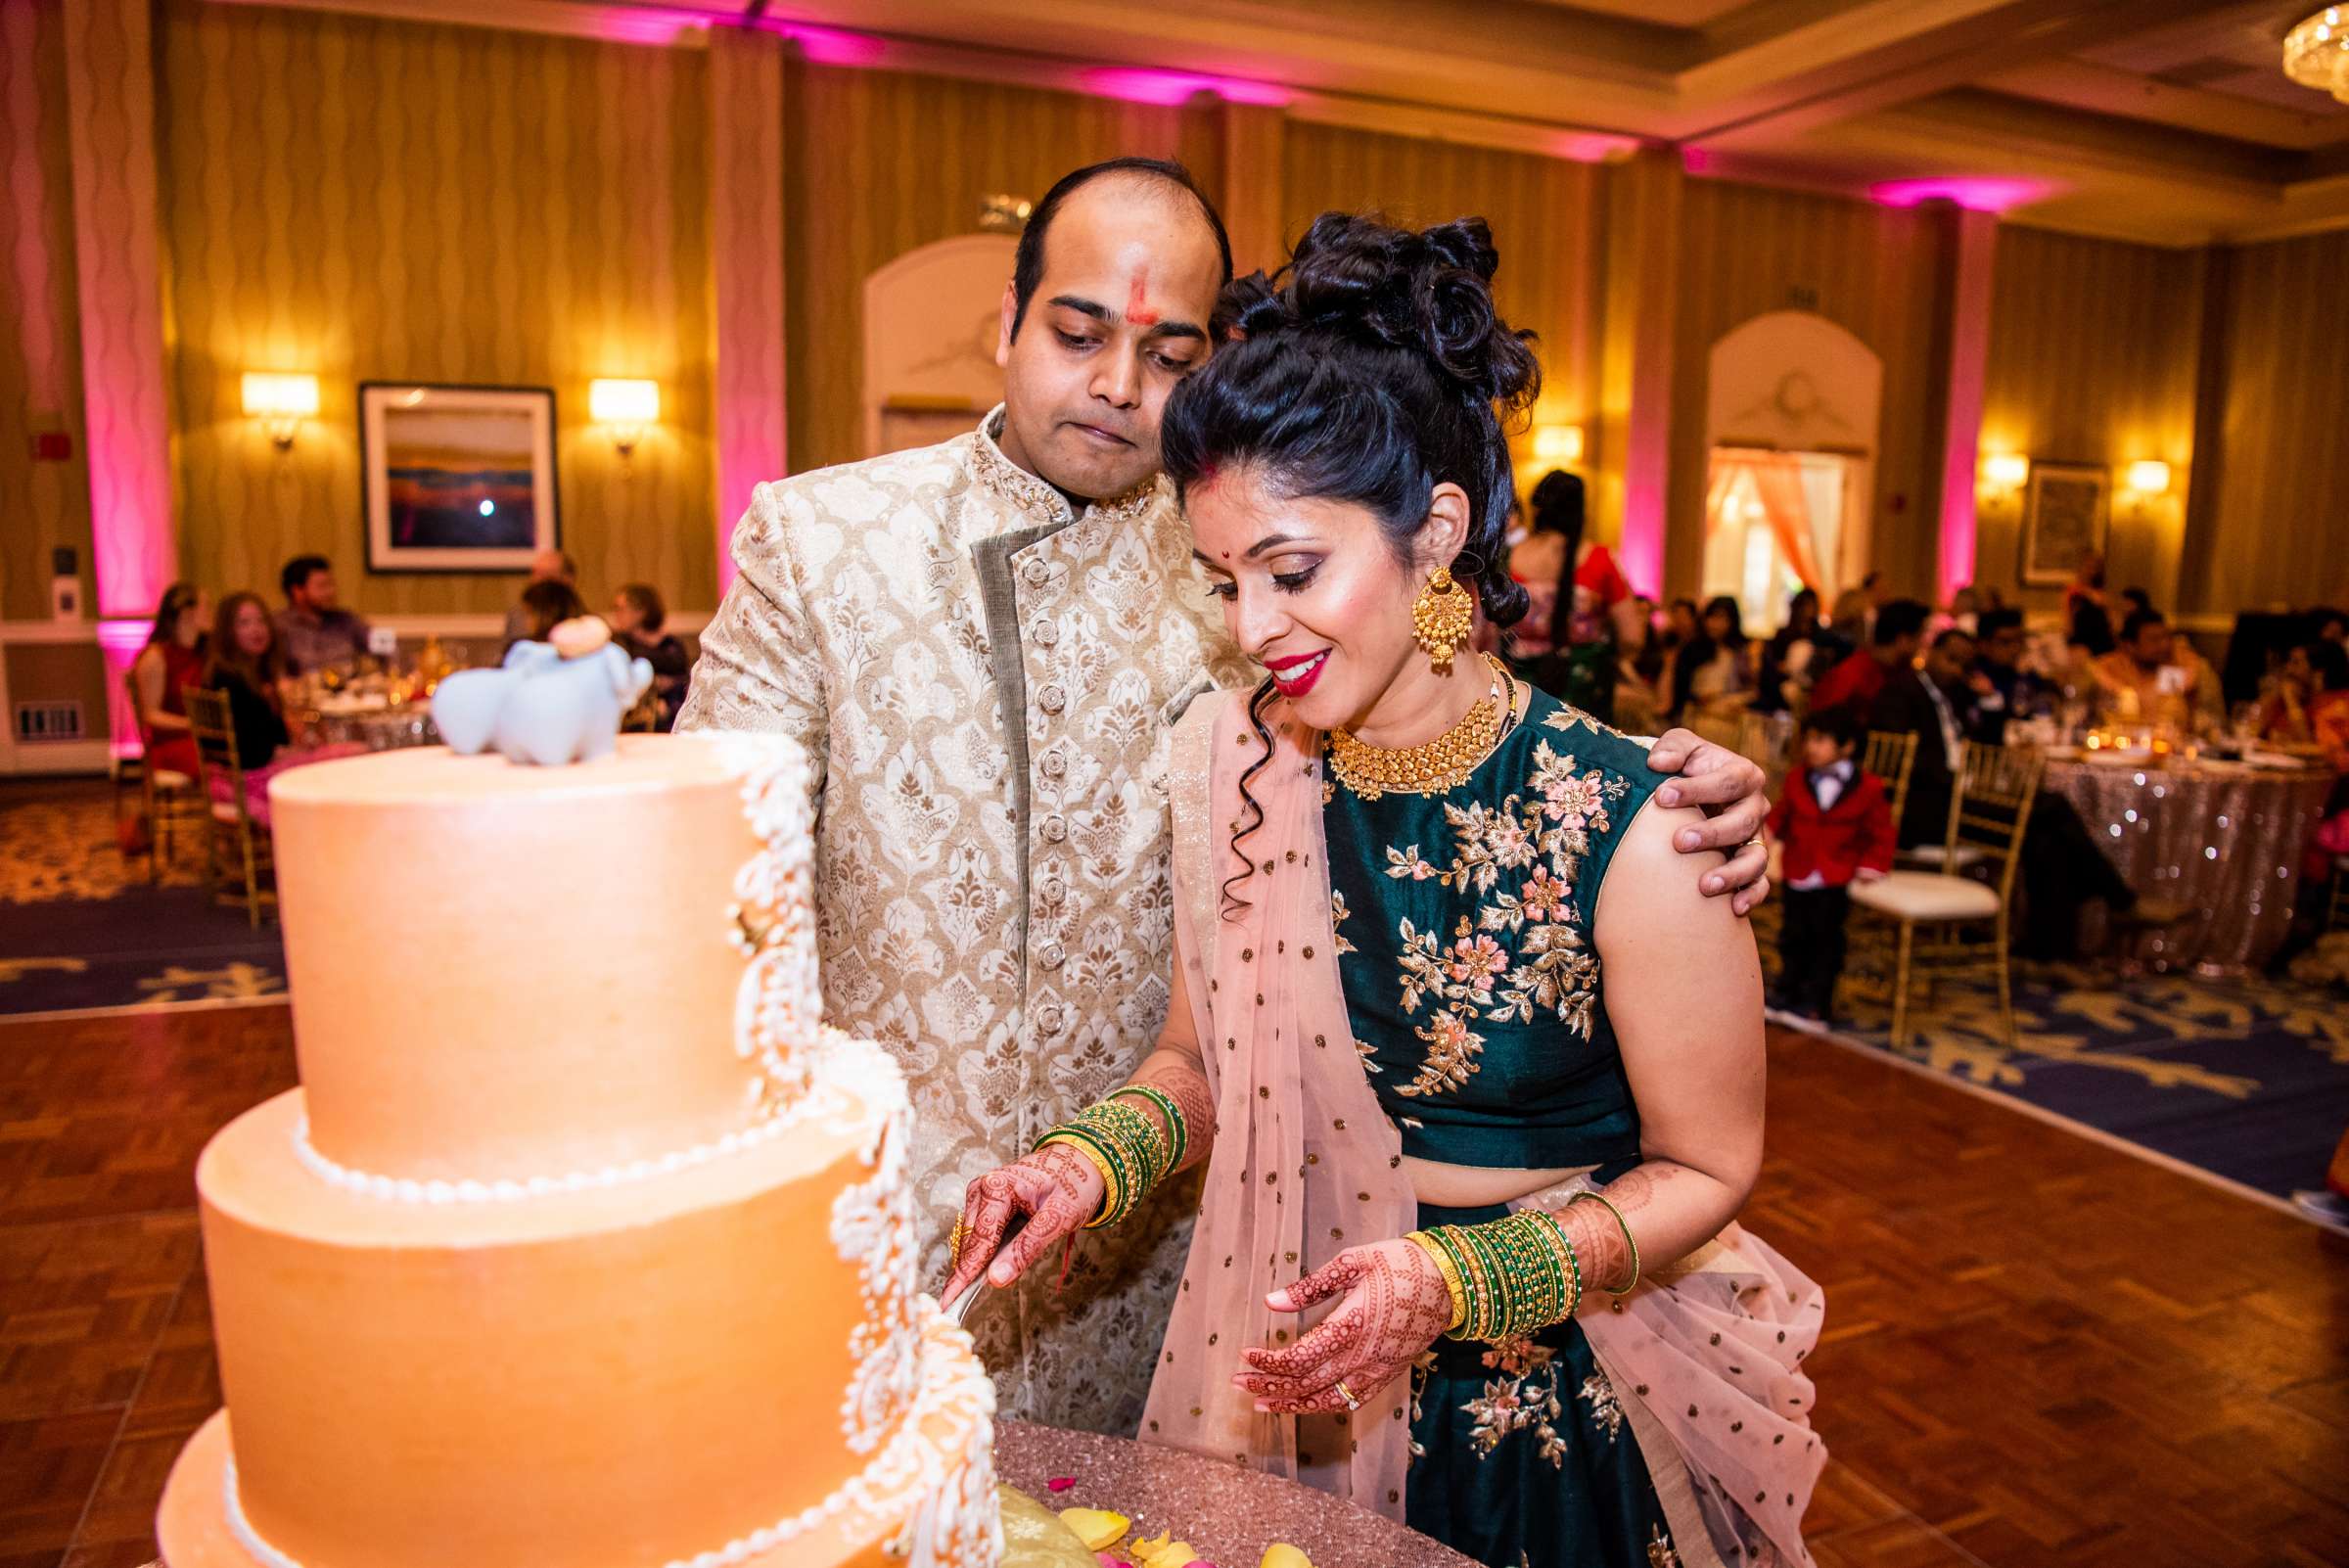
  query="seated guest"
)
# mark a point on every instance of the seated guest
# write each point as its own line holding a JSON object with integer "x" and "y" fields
{"x": 1932, "y": 704}
{"x": 247, "y": 666}
{"x": 2311, "y": 702}
{"x": 637, "y": 616}
{"x": 1834, "y": 822}
{"x": 2154, "y": 678}
{"x": 1854, "y": 683}
{"x": 2063, "y": 868}
{"x": 1792, "y": 659}
{"x": 2001, "y": 688}
{"x": 544, "y": 606}
{"x": 547, "y": 566}
{"x": 2087, "y": 588}
{"x": 1711, "y": 677}
{"x": 171, "y": 661}
{"x": 313, "y": 633}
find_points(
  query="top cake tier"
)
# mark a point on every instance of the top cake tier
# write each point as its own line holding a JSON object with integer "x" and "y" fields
{"x": 501, "y": 973}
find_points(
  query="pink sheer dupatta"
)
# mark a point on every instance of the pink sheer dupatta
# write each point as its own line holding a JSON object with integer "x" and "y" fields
{"x": 1306, "y": 1164}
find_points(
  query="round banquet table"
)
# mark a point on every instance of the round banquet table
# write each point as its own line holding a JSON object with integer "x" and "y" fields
{"x": 2224, "y": 838}
{"x": 380, "y": 728}
{"x": 1228, "y": 1515}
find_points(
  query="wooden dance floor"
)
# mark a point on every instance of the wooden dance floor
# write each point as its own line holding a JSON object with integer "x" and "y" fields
{"x": 2040, "y": 1350}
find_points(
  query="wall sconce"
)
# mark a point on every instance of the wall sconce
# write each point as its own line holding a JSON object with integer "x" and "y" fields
{"x": 627, "y": 407}
{"x": 281, "y": 402}
{"x": 2005, "y": 471}
{"x": 2149, "y": 475}
{"x": 1557, "y": 445}
{"x": 1003, "y": 213}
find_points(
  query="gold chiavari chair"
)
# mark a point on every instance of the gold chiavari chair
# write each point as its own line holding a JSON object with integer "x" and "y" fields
{"x": 1891, "y": 758}
{"x": 1951, "y": 924}
{"x": 243, "y": 863}
{"x": 167, "y": 796}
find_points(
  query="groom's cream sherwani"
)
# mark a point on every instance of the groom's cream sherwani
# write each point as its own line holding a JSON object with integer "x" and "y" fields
{"x": 984, "y": 681}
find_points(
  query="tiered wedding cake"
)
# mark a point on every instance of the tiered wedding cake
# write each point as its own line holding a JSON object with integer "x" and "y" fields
{"x": 584, "y": 1243}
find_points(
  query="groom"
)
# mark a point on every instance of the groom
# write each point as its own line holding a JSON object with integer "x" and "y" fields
{"x": 982, "y": 646}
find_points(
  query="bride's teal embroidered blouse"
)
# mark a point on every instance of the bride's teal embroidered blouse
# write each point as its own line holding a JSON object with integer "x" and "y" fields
{"x": 1465, "y": 948}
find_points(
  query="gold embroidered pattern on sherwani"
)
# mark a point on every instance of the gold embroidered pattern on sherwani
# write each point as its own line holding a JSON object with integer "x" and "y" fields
{"x": 984, "y": 681}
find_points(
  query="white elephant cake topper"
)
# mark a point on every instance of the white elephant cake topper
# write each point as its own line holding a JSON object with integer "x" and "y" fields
{"x": 550, "y": 703}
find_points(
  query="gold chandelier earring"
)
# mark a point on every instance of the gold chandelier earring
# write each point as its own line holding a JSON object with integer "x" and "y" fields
{"x": 1440, "y": 618}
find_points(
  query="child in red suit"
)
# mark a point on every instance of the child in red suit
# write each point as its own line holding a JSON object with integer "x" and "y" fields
{"x": 1835, "y": 820}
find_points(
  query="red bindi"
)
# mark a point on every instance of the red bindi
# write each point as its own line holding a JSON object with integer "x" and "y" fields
{"x": 1137, "y": 300}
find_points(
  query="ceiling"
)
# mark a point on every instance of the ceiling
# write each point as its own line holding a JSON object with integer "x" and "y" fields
{"x": 2168, "y": 121}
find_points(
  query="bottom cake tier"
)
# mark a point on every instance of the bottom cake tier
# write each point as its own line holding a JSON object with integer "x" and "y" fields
{"x": 927, "y": 1501}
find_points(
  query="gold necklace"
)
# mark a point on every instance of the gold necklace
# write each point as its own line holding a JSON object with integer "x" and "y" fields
{"x": 1433, "y": 768}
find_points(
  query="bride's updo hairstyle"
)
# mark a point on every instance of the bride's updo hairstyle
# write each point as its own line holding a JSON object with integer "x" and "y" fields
{"x": 1370, "y": 369}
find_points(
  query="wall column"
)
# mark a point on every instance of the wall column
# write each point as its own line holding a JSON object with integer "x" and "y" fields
{"x": 1253, "y": 187}
{"x": 134, "y": 553}
{"x": 746, "y": 263}
{"x": 1961, "y": 340}
{"x": 1637, "y": 347}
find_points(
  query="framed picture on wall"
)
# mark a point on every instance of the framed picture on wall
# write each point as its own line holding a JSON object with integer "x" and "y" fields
{"x": 2065, "y": 513}
{"x": 457, "y": 479}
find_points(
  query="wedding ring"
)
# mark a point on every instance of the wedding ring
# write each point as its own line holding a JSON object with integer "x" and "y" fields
{"x": 1347, "y": 1395}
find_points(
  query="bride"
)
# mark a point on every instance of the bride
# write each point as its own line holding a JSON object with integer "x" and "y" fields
{"x": 1475, "y": 1070}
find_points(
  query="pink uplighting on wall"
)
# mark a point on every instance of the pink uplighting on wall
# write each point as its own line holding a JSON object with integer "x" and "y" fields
{"x": 1174, "y": 87}
{"x": 830, "y": 46}
{"x": 1591, "y": 146}
{"x": 649, "y": 25}
{"x": 1974, "y": 194}
{"x": 118, "y": 644}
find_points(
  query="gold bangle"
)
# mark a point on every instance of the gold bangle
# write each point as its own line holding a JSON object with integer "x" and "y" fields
{"x": 1628, "y": 1239}
{"x": 1452, "y": 1276}
{"x": 1113, "y": 1190}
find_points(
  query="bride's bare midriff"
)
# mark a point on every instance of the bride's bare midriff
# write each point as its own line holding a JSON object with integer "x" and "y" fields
{"x": 1476, "y": 1186}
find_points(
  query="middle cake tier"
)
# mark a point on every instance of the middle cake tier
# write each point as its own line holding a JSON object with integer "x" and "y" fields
{"x": 613, "y": 1376}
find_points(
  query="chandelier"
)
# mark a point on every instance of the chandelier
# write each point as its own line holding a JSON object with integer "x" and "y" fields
{"x": 2316, "y": 53}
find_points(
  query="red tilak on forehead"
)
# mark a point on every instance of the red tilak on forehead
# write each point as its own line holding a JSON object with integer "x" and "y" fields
{"x": 1137, "y": 300}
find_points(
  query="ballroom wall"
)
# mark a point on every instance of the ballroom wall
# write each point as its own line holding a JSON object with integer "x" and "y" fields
{"x": 42, "y": 504}
{"x": 2277, "y": 531}
{"x": 2093, "y": 346}
{"x": 367, "y": 200}
{"x": 1746, "y": 250}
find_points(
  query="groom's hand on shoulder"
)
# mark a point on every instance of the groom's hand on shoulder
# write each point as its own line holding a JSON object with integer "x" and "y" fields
{"x": 1731, "y": 789}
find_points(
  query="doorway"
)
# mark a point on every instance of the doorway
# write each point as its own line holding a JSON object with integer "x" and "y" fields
{"x": 1775, "y": 522}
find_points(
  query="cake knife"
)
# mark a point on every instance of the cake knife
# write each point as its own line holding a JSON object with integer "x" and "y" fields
{"x": 958, "y": 1311}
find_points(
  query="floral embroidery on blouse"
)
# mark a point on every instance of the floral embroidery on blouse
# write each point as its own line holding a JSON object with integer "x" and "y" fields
{"x": 1524, "y": 1398}
{"x": 1522, "y": 858}
{"x": 1338, "y": 913}
{"x": 1659, "y": 1551}
{"x": 1606, "y": 1413}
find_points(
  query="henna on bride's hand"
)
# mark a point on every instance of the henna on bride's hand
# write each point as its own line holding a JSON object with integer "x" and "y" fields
{"x": 1396, "y": 1305}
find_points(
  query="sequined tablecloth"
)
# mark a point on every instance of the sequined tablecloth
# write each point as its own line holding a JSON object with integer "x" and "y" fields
{"x": 378, "y": 729}
{"x": 1228, "y": 1515}
{"x": 2221, "y": 836}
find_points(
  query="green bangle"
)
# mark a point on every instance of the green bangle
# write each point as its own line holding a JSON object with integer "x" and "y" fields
{"x": 1179, "y": 1132}
{"x": 1144, "y": 1146}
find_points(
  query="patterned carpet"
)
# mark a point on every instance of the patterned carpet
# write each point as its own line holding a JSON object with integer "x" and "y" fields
{"x": 2247, "y": 1080}
{"x": 81, "y": 926}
